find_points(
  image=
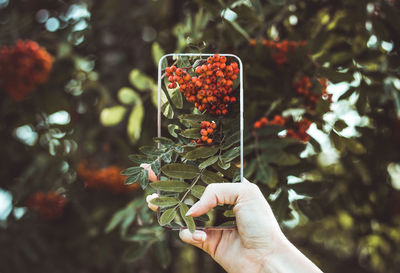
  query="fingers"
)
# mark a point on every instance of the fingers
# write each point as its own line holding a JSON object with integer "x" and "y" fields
{"x": 152, "y": 175}
{"x": 197, "y": 238}
{"x": 219, "y": 193}
{"x": 150, "y": 205}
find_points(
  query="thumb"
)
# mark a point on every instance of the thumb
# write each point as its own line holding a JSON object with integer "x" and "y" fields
{"x": 196, "y": 238}
{"x": 222, "y": 193}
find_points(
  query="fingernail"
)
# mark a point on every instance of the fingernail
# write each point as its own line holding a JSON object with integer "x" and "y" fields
{"x": 199, "y": 236}
{"x": 192, "y": 209}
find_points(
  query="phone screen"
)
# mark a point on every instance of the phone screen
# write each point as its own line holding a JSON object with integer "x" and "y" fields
{"x": 200, "y": 114}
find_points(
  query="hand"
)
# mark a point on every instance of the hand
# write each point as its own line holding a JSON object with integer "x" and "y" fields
{"x": 257, "y": 245}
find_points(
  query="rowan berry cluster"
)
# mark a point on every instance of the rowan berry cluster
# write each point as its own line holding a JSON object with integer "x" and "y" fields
{"x": 278, "y": 120}
{"x": 280, "y": 49}
{"x": 211, "y": 88}
{"x": 206, "y": 131}
{"x": 23, "y": 67}
{"x": 49, "y": 205}
{"x": 108, "y": 178}
{"x": 300, "y": 130}
{"x": 303, "y": 88}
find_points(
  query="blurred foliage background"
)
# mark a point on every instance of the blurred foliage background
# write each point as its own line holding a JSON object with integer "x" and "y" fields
{"x": 73, "y": 109}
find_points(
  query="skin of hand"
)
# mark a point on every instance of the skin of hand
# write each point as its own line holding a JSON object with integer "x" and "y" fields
{"x": 257, "y": 245}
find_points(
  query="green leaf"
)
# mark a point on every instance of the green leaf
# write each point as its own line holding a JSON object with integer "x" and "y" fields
{"x": 163, "y": 254}
{"x": 141, "y": 81}
{"x": 156, "y": 167}
{"x": 288, "y": 160}
{"x": 208, "y": 162}
{"x": 127, "y": 96}
{"x": 230, "y": 155}
{"x": 229, "y": 213}
{"x": 112, "y": 116}
{"x": 139, "y": 159}
{"x": 191, "y": 133}
{"x": 131, "y": 170}
{"x": 180, "y": 170}
{"x": 172, "y": 128}
{"x": 176, "y": 97}
{"x": 193, "y": 117}
{"x": 231, "y": 140}
{"x": 164, "y": 201}
{"x": 188, "y": 219}
{"x": 270, "y": 130}
{"x": 224, "y": 165}
{"x": 340, "y": 125}
{"x": 211, "y": 177}
{"x": 135, "y": 252}
{"x": 167, "y": 216}
{"x": 266, "y": 174}
{"x": 197, "y": 191}
{"x": 135, "y": 122}
{"x": 170, "y": 186}
{"x": 157, "y": 52}
{"x": 201, "y": 152}
{"x": 309, "y": 188}
{"x": 164, "y": 141}
{"x": 115, "y": 221}
{"x": 167, "y": 110}
{"x": 166, "y": 157}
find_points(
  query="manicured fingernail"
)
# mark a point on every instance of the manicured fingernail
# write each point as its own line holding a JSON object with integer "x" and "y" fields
{"x": 199, "y": 236}
{"x": 192, "y": 209}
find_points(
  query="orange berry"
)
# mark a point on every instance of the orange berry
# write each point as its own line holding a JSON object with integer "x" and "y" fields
{"x": 253, "y": 42}
{"x": 209, "y": 141}
{"x": 210, "y": 131}
{"x": 204, "y": 138}
{"x": 213, "y": 125}
{"x": 233, "y": 99}
{"x": 203, "y": 132}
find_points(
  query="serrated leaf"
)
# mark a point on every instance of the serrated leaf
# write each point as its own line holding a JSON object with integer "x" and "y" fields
{"x": 183, "y": 209}
{"x": 170, "y": 186}
{"x": 201, "y": 152}
{"x": 164, "y": 201}
{"x": 208, "y": 162}
{"x": 211, "y": 177}
{"x": 191, "y": 133}
{"x": 197, "y": 191}
{"x": 167, "y": 216}
{"x": 230, "y": 155}
{"x": 180, "y": 170}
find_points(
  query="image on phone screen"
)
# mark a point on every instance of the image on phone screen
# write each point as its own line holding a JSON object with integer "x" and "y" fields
{"x": 200, "y": 115}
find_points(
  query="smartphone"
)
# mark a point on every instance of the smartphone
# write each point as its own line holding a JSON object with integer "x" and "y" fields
{"x": 200, "y": 111}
